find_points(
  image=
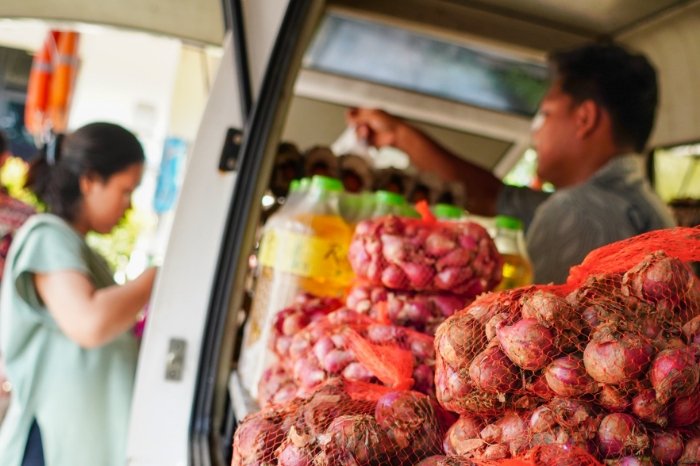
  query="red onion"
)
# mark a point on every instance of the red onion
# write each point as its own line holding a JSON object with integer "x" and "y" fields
{"x": 459, "y": 339}
{"x": 615, "y": 358}
{"x": 540, "y": 388}
{"x": 620, "y": 434}
{"x": 647, "y": 408}
{"x": 613, "y": 399}
{"x": 567, "y": 377}
{"x": 441, "y": 460}
{"x": 511, "y": 429}
{"x": 256, "y": 439}
{"x": 674, "y": 373}
{"x": 354, "y": 439}
{"x": 290, "y": 454}
{"x": 691, "y": 330}
{"x": 659, "y": 277}
{"x": 542, "y": 420}
{"x": 548, "y": 308}
{"x": 408, "y": 419}
{"x": 691, "y": 453}
{"x": 667, "y": 447}
{"x": 685, "y": 411}
{"x": 527, "y": 343}
{"x": 463, "y": 436}
{"x": 492, "y": 372}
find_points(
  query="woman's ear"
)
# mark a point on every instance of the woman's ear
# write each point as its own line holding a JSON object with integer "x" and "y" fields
{"x": 87, "y": 182}
{"x": 588, "y": 114}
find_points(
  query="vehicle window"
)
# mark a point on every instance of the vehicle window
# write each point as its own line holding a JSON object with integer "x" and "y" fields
{"x": 420, "y": 63}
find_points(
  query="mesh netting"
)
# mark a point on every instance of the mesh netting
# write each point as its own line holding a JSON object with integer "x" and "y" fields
{"x": 425, "y": 255}
{"x": 420, "y": 311}
{"x": 608, "y": 363}
{"x": 352, "y": 346}
{"x": 341, "y": 423}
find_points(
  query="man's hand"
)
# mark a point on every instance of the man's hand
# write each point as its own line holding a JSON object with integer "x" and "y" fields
{"x": 375, "y": 126}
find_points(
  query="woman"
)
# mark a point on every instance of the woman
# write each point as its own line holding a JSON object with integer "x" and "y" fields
{"x": 65, "y": 324}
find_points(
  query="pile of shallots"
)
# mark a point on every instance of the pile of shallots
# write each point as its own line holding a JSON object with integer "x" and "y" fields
{"x": 348, "y": 345}
{"x": 416, "y": 273}
{"x": 341, "y": 423}
{"x": 611, "y": 367}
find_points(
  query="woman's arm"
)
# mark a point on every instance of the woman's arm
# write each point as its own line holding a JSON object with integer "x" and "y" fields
{"x": 92, "y": 317}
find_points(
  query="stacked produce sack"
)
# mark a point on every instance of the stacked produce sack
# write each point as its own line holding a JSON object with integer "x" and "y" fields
{"x": 341, "y": 423}
{"x": 384, "y": 335}
{"x": 416, "y": 273}
{"x": 608, "y": 363}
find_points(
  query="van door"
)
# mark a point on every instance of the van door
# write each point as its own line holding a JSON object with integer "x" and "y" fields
{"x": 171, "y": 419}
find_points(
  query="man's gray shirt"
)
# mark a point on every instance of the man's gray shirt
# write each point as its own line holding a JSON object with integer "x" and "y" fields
{"x": 617, "y": 202}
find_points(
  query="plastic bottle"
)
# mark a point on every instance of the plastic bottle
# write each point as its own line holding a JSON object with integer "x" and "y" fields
{"x": 510, "y": 242}
{"x": 303, "y": 250}
{"x": 390, "y": 203}
{"x": 448, "y": 212}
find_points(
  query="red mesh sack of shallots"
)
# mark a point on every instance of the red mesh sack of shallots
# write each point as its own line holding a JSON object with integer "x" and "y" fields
{"x": 425, "y": 255}
{"x": 608, "y": 362}
{"x": 353, "y": 346}
{"x": 341, "y": 423}
{"x": 305, "y": 309}
{"x": 420, "y": 311}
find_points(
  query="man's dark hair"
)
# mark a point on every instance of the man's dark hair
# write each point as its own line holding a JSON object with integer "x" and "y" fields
{"x": 622, "y": 82}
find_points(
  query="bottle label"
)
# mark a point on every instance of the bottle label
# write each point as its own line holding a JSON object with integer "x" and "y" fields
{"x": 306, "y": 256}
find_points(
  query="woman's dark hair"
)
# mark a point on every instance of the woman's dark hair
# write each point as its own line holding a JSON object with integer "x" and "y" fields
{"x": 97, "y": 149}
{"x": 622, "y": 82}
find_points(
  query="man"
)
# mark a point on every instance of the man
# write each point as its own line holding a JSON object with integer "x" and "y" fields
{"x": 592, "y": 124}
{"x": 13, "y": 213}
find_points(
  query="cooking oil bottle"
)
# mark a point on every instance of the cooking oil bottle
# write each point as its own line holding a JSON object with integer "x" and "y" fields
{"x": 304, "y": 249}
{"x": 510, "y": 242}
{"x": 452, "y": 212}
{"x": 391, "y": 203}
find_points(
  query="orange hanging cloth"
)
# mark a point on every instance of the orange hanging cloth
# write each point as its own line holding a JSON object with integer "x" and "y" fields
{"x": 66, "y": 65}
{"x": 38, "y": 87}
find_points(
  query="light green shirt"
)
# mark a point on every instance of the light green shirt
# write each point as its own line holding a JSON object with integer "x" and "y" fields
{"x": 80, "y": 397}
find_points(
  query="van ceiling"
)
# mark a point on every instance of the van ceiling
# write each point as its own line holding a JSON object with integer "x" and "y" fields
{"x": 534, "y": 23}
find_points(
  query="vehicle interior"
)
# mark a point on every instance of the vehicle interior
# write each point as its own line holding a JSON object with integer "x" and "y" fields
{"x": 468, "y": 72}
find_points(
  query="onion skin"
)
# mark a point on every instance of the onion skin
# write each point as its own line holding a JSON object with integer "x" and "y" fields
{"x": 355, "y": 437}
{"x": 667, "y": 447}
{"x": 613, "y": 399}
{"x": 567, "y": 377}
{"x": 408, "y": 419}
{"x": 685, "y": 411}
{"x": 527, "y": 343}
{"x": 630, "y": 461}
{"x": 647, "y": 408}
{"x": 256, "y": 439}
{"x": 492, "y": 372}
{"x": 616, "y": 358}
{"x": 459, "y": 439}
{"x": 674, "y": 373}
{"x": 620, "y": 434}
{"x": 691, "y": 453}
{"x": 459, "y": 339}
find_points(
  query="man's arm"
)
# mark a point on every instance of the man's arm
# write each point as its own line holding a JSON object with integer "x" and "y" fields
{"x": 382, "y": 129}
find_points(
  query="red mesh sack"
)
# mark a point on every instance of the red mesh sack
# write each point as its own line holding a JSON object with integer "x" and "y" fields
{"x": 608, "y": 363}
{"x": 341, "y": 423}
{"x": 420, "y": 311}
{"x": 353, "y": 346}
{"x": 305, "y": 309}
{"x": 416, "y": 255}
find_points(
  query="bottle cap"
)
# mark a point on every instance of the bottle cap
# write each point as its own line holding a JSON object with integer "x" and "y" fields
{"x": 304, "y": 183}
{"x": 448, "y": 211}
{"x": 389, "y": 198}
{"x": 511, "y": 223}
{"x": 326, "y": 183}
{"x": 294, "y": 186}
